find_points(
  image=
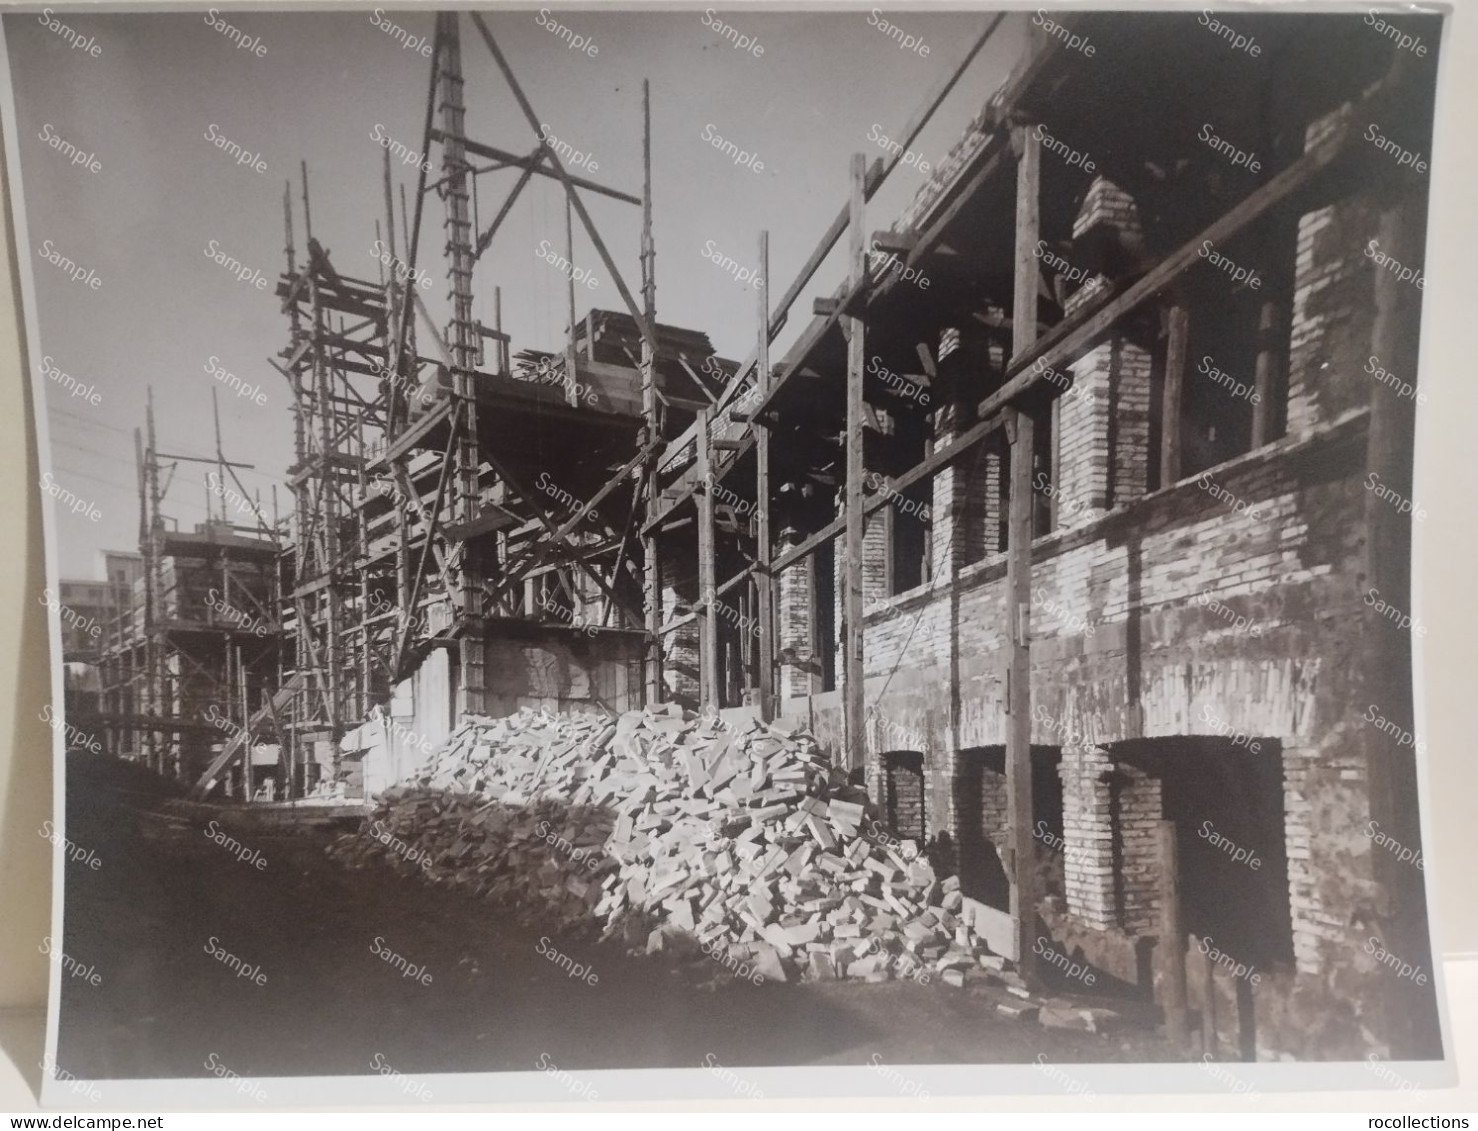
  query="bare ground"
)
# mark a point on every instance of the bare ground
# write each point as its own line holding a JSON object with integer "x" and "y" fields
{"x": 330, "y": 1003}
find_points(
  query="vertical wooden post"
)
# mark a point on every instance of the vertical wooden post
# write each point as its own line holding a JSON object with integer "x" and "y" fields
{"x": 816, "y": 647}
{"x": 1028, "y": 222}
{"x": 1021, "y": 433}
{"x": 249, "y": 770}
{"x": 764, "y": 583}
{"x": 853, "y": 701}
{"x": 464, "y": 491}
{"x": 158, "y": 743}
{"x": 651, "y": 566}
{"x": 1267, "y": 360}
{"x": 498, "y": 326}
{"x": 572, "y": 393}
{"x": 1054, "y": 451}
{"x": 392, "y": 304}
{"x": 1209, "y": 1042}
{"x": 1172, "y": 934}
{"x": 1385, "y": 659}
{"x": 708, "y": 681}
{"x": 1172, "y": 396}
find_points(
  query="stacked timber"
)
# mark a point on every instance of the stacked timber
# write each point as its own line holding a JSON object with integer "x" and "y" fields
{"x": 658, "y": 825}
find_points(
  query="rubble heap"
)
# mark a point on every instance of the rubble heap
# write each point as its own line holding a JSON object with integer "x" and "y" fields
{"x": 659, "y": 823}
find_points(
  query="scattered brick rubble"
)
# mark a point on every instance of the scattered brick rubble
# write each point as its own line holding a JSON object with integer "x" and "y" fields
{"x": 660, "y": 824}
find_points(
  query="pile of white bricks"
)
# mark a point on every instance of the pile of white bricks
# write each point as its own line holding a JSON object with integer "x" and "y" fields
{"x": 659, "y": 824}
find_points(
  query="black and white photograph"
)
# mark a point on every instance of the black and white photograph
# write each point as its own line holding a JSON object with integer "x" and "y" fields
{"x": 861, "y": 551}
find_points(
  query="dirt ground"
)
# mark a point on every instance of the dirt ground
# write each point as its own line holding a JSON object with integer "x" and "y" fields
{"x": 329, "y": 1002}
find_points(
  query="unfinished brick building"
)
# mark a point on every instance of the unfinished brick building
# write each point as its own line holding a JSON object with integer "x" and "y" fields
{"x": 1075, "y": 523}
{"x": 1102, "y": 525}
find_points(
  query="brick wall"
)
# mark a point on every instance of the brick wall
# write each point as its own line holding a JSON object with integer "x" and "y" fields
{"x": 903, "y": 795}
{"x": 1162, "y": 661}
{"x": 1107, "y": 205}
{"x": 1229, "y": 602}
{"x": 1160, "y": 583}
{"x": 965, "y": 505}
{"x": 795, "y": 622}
{"x": 1330, "y": 339}
{"x": 1137, "y": 801}
{"x": 1143, "y": 574}
{"x": 876, "y": 551}
{"x": 1333, "y": 308}
{"x": 1080, "y": 478}
{"x": 1103, "y": 420}
{"x": 1088, "y": 835}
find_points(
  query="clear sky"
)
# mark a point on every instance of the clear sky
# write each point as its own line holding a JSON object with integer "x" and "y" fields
{"x": 161, "y": 87}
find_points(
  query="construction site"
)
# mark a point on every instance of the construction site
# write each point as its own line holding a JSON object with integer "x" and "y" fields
{"x": 1008, "y": 635}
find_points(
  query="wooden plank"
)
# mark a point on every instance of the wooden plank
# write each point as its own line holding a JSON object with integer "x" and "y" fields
{"x": 534, "y": 164}
{"x": 764, "y": 582}
{"x": 1028, "y": 221}
{"x": 853, "y": 703}
{"x": 413, "y": 434}
{"x": 151, "y": 723}
{"x": 991, "y": 159}
{"x": 404, "y": 317}
{"x": 1021, "y": 432}
{"x": 815, "y": 676}
{"x": 1054, "y": 450}
{"x": 1173, "y": 395}
{"x": 238, "y": 740}
{"x": 403, "y": 631}
{"x": 1172, "y": 934}
{"x": 651, "y": 421}
{"x": 572, "y": 386}
{"x": 877, "y": 175}
{"x": 1265, "y": 374}
{"x": 676, "y": 623}
{"x": 986, "y": 162}
{"x": 538, "y": 552}
{"x": 1081, "y": 331}
{"x": 845, "y": 297}
{"x": 735, "y": 581}
{"x": 484, "y": 241}
{"x": 505, "y": 473}
{"x": 708, "y": 683}
{"x": 1384, "y": 659}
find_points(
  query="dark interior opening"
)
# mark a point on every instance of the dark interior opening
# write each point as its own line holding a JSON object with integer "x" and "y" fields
{"x": 903, "y": 794}
{"x": 1227, "y": 804}
{"x": 911, "y": 525}
{"x": 981, "y": 807}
